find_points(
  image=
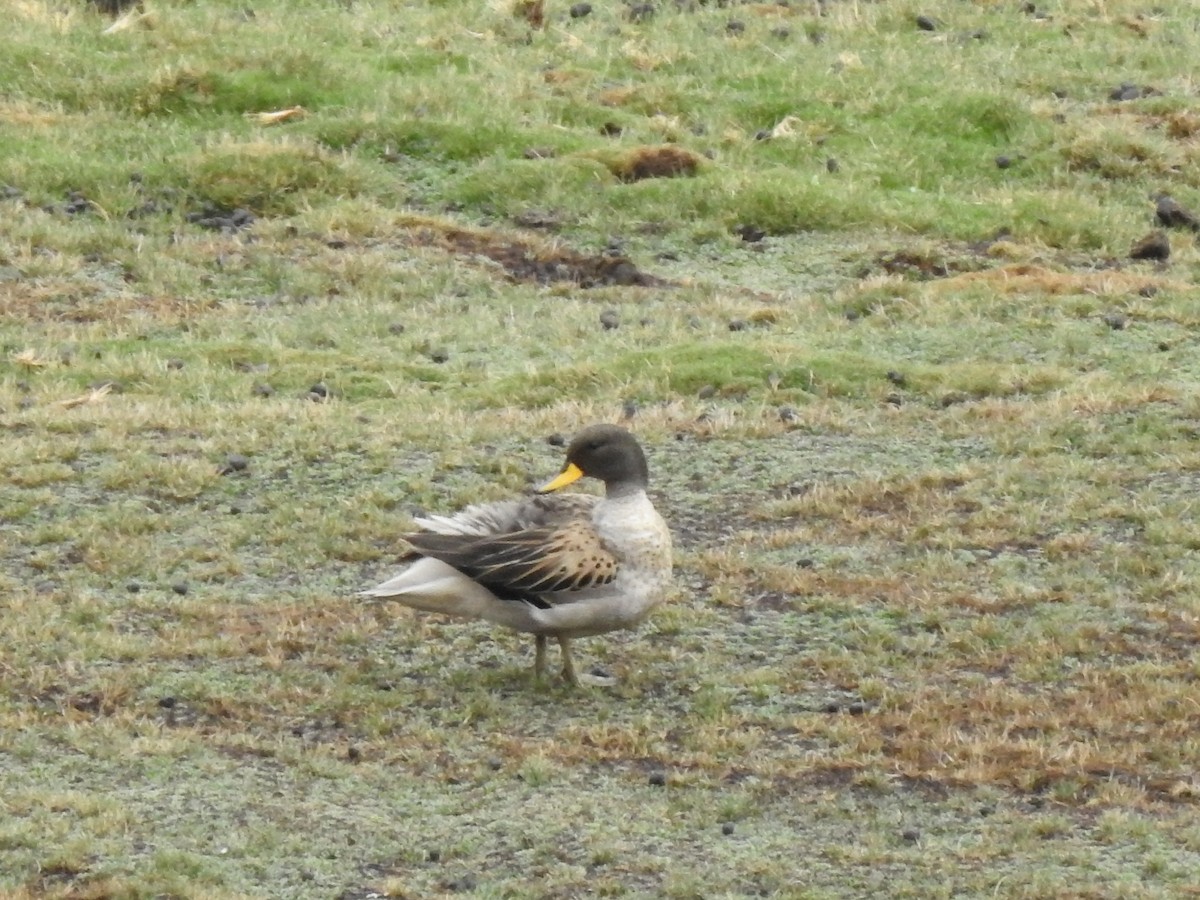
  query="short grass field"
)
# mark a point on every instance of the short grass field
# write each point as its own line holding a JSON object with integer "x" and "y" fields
{"x": 278, "y": 275}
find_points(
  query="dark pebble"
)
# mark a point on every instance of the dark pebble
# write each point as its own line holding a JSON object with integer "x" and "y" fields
{"x": 433, "y": 856}
{"x": 1163, "y": 346}
{"x": 611, "y": 129}
{"x": 175, "y": 363}
{"x": 353, "y": 754}
{"x": 609, "y": 320}
{"x": 657, "y": 779}
{"x": 735, "y": 27}
{"x": 235, "y": 462}
{"x": 832, "y": 165}
{"x": 1116, "y": 321}
{"x": 396, "y": 328}
{"x": 180, "y": 588}
{"x": 1126, "y": 90}
{"x": 911, "y": 835}
{"x": 805, "y": 563}
{"x": 1003, "y": 162}
{"x": 319, "y": 389}
{"x": 738, "y": 325}
{"x": 727, "y": 828}
{"x": 167, "y": 702}
{"x": 581, "y": 10}
{"x": 235, "y": 509}
{"x": 495, "y": 763}
{"x": 751, "y": 234}
{"x": 927, "y": 23}
{"x": 133, "y": 587}
{"x": 556, "y": 440}
{"x": 440, "y": 355}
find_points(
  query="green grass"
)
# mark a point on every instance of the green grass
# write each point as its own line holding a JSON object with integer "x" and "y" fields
{"x": 934, "y": 624}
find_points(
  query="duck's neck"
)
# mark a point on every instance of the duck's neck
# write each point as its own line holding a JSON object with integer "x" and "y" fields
{"x": 621, "y": 490}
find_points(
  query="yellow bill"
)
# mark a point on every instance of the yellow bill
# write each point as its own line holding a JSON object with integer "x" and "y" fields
{"x": 571, "y": 473}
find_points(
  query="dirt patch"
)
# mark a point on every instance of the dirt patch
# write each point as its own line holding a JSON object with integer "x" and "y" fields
{"x": 655, "y": 162}
{"x": 534, "y": 261}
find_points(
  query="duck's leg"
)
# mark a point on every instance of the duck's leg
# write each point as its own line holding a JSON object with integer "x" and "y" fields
{"x": 539, "y": 658}
{"x": 568, "y": 664}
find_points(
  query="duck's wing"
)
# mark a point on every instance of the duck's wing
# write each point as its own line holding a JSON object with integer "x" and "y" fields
{"x": 508, "y": 516}
{"x": 526, "y": 564}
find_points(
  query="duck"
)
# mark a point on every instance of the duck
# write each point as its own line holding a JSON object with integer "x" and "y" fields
{"x": 560, "y": 566}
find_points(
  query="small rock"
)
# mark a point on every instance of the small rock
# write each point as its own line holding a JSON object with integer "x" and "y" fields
{"x": 180, "y": 587}
{"x": 353, "y": 754}
{"x": 1155, "y": 245}
{"x": 318, "y": 391}
{"x": 1115, "y": 321}
{"x": 1172, "y": 215}
{"x": 1163, "y": 346}
{"x": 175, "y": 363}
{"x": 396, "y": 328}
{"x": 727, "y": 828}
{"x": 611, "y": 129}
{"x": 439, "y": 355}
{"x": 133, "y": 587}
{"x": 832, "y": 165}
{"x": 733, "y": 26}
{"x": 911, "y": 835}
{"x": 234, "y": 462}
{"x": 609, "y": 320}
{"x": 580, "y": 10}
{"x": 556, "y": 440}
{"x": 433, "y": 856}
{"x": 167, "y": 702}
{"x": 262, "y": 389}
{"x": 640, "y": 12}
{"x": 1126, "y": 90}
{"x": 738, "y": 325}
{"x": 1003, "y": 162}
{"x": 495, "y": 763}
{"x": 751, "y": 234}
{"x": 927, "y": 23}
{"x": 805, "y": 563}
{"x": 657, "y": 779}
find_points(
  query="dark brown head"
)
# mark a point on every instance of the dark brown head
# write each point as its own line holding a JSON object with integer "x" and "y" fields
{"x": 607, "y": 452}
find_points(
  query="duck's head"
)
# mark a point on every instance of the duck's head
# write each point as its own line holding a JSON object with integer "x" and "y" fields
{"x": 607, "y": 452}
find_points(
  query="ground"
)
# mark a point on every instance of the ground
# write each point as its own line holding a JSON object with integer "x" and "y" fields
{"x": 861, "y": 278}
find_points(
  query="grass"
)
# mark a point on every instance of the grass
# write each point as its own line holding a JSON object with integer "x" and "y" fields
{"x": 928, "y": 448}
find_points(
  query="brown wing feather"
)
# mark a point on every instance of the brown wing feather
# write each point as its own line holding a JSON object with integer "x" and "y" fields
{"x": 535, "y": 561}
